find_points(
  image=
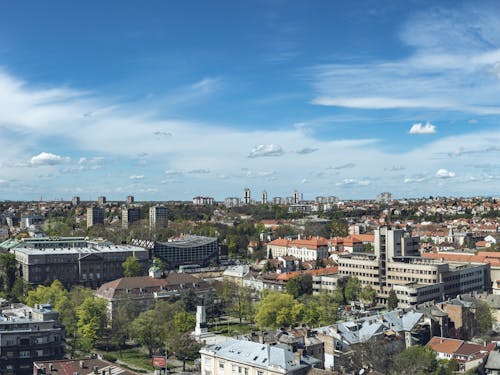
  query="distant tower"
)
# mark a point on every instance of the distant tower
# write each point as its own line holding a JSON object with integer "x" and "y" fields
{"x": 75, "y": 201}
{"x": 295, "y": 197}
{"x": 264, "y": 197}
{"x": 130, "y": 199}
{"x": 246, "y": 196}
{"x": 95, "y": 215}
{"x": 101, "y": 200}
{"x": 130, "y": 215}
{"x": 158, "y": 217}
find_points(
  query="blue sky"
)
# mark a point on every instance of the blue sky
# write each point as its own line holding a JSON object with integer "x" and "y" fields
{"x": 168, "y": 100}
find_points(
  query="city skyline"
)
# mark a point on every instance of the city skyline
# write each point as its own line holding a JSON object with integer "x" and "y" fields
{"x": 167, "y": 101}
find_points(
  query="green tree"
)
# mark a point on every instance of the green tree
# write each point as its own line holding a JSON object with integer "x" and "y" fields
{"x": 278, "y": 310}
{"x": 340, "y": 228}
{"x": 352, "y": 289}
{"x": 237, "y": 300}
{"x": 484, "y": 318}
{"x": 8, "y": 271}
{"x": 299, "y": 285}
{"x": 184, "y": 321}
{"x": 185, "y": 348}
{"x": 328, "y": 308}
{"x": 392, "y": 300}
{"x": 91, "y": 321}
{"x": 132, "y": 267}
{"x": 146, "y": 330}
{"x": 368, "y": 295}
{"x": 420, "y": 360}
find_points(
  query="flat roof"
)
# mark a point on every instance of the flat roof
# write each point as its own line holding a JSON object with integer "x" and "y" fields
{"x": 190, "y": 241}
{"x": 94, "y": 249}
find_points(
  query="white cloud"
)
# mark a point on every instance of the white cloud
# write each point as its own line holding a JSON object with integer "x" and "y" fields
{"x": 47, "y": 158}
{"x": 136, "y": 177}
{"x": 266, "y": 150}
{"x": 418, "y": 128}
{"x": 306, "y": 150}
{"x": 444, "y": 173}
{"x": 353, "y": 181}
{"x": 199, "y": 171}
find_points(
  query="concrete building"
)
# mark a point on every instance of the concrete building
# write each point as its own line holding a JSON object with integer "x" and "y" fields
{"x": 296, "y": 197}
{"x": 130, "y": 215}
{"x": 279, "y": 200}
{"x": 232, "y": 202}
{"x": 95, "y": 216}
{"x": 130, "y": 199}
{"x": 27, "y": 334}
{"x": 203, "y": 201}
{"x": 303, "y": 249}
{"x": 246, "y": 196}
{"x": 75, "y": 201}
{"x": 158, "y": 217}
{"x": 263, "y": 199}
{"x": 101, "y": 200}
{"x": 87, "y": 366}
{"x": 396, "y": 264}
{"x": 234, "y": 357}
{"x": 73, "y": 260}
{"x": 188, "y": 250}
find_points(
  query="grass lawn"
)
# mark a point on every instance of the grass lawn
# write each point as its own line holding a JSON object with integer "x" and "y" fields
{"x": 133, "y": 357}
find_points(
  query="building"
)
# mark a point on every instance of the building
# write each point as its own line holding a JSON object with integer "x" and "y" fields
{"x": 246, "y": 196}
{"x": 236, "y": 274}
{"x": 250, "y": 358}
{"x": 27, "y": 334}
{"x": 303, "y": 249}
{"x": 86, "y": 366}
{"x": 232, "y": 202}
{"x": 263, "y": 199}
{"x": 203, "y": 201}
{"x": 73, "y": 260}
{"x": 384, "y": 197}
{"x": 130, "y": 215}
{"x": 158, "y": 217}
{"x": 296, "y": 197}
{"x": 75, "y": 201}
{"x": 101, "y": 200}
{"x": 396, "y": 264}
{"x": 29, "y": 219}
{"x": 300, "y": 208}
{"x": 130, "y": 199}
{"x": 95, "y": 216}
{"x": 188, "y": 250}
{"x": 144, "y": 291}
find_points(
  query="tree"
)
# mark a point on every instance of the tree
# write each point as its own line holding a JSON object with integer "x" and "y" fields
{"x": 484, "y": 319}
{"x": 392, "y": 300}
{"x": 340, "y": 228}
{"x": 420, "y": 360}
{"x": 368, "y": 295}
{"x": 184, "y": 321}
{"x": 352, "y": 289}
{"x": 237, "y": 300}
{"x": 185, "y": 348}
{"x": 278, "y": 310}
{"x": 132, "y": 267}
{"x": 92, "y": 321}
{"x": 299, "y": 285}
{"x": 8, "y": 270}
{"x": 146, "y": 330}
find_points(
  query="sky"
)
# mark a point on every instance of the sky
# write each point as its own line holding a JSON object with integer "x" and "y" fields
{"x": 169, "y": 100}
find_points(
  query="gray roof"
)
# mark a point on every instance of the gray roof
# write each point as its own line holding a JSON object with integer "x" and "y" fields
{"x": 254, "y": 354}
{"x": 190, "y": 241}
{"x": 493, "y": 362}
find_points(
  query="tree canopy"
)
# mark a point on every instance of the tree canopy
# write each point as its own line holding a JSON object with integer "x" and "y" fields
{"x": 132, "y": 267}
{"x": 278, "y": 310}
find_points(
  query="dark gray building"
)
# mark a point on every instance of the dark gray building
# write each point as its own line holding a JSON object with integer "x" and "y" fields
{"x": 188, "y": 250}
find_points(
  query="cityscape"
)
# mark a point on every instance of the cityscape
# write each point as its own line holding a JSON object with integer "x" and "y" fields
{"x": 249, "y": 188}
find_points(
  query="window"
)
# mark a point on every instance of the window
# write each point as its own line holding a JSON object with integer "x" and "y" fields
{"x": 24, "y": 354}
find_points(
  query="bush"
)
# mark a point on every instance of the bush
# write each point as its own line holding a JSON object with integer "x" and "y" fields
{"x": 109, "y": 357}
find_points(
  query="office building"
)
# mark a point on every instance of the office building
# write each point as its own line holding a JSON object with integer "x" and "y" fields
{"x": 73, "y": 260}
{"x": 101, "y": 200}
{"x": 130, "y": 199}
{"x": 75, "y": 201}
{"x": 188, "y": 250}
{"x": 396, "y": 265}
{"x": 264, "y": 197}
{"x": 28, "y": 334}
{"x": 95, "y": 216}
{"x": 246, "y": 196}
{"x": 130, "y": 215}
{"x": 158, "y": 217}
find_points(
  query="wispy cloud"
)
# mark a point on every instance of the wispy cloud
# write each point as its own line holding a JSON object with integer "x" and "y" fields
{"x": 265, "y": 151}
{"x": 444, "y": 173}
{"x": 136, "y": 177}
{"x": 306, "y": 150}
{"x": 420, "y": 128}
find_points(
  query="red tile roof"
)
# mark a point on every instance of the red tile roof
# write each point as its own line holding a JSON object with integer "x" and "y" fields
{"x": 444, "y": 345}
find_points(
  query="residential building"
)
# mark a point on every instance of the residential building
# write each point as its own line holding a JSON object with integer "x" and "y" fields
{"x": 264, "y": 197}
{"x": 279, "y": 200}
{"x": 130, "y": 215}
{"x": 203, "y": 201}
{"x": 85, "y": 366}
{"x": 396, "y": 264}
{"x": 384, "y": 197}
{"x": 492, "y": 366}
{"x": 27, "y": 334}
{"x": 73, "y": 260}
{"x": 328, "y": 282}
{"x": 75, "y": 201}
{"x": 304, "y": 249}
{"x": 296, "y": 197}
{"x": 143, "y": 291}
{"x": 158, "y": 217}
{"x": 300, "y": 208}
{"x": 236, "y": 274}
{"x": 101, "y": 200}
{"x": 232, "y": 202}
{"x": 188, "y": 250}
{"x": 250, "y": 358}
{"x": 246, "y": 196}
{"x": 130, "y": 199}
{"x": 95, "y": 216}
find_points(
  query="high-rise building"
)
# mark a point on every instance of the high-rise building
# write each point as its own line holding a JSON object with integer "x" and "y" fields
{"x": 264, "y": 197}
{"x": 232, "y": 202}
{"x": 95, "y": 215}
{"x": 75, "y": 201}
{"x": 101, "y": 200}
{"x": 295, "y": 197}
{"x": 246, "y": 196}
{"x": 158, "y": 217}
{"x": 130, "y": 199}
{"x": 130, "y": 215}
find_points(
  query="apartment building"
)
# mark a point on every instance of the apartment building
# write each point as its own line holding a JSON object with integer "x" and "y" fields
{"x": 95, "y": 216}
{"x": 27, "y": 334}
{"x": 158, "y": 217}
{"x": 237, "y": 357}
{"x": 396, "y": 264}
{"x": 304, "y": 249}
{"x": 73, "y": 260}
{"x": 130, "y": 215}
